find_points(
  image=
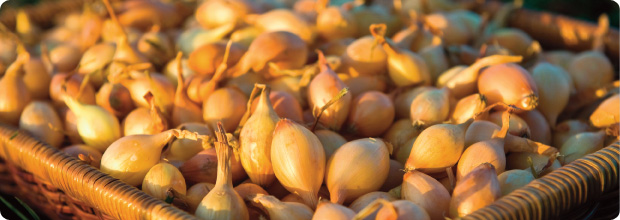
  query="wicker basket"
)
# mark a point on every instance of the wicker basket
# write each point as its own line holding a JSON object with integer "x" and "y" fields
{"x": 62, "y": 187}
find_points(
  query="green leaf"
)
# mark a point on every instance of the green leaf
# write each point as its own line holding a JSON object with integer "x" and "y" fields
{"x": 32, "y": 213}
{"x": 12, "y": 208}
{"x": 14, "y": 135}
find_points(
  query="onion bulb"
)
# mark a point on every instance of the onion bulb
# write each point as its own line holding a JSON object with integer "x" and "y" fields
{"x": 399, "y": 133}
{"x": 514, "y": 179}
{"x": 255, "y": 140}
{"x": 246, "y": 82}
{"x": 415, "y": 37}
{"x": 70, "y": 125}
{"x": 336, "y": 47}
{"x": 360, "y": 84}
{"x": 394, "y": 177}
{"x": 277, "y": 189}
{"x": 606, "y": 114}
{"x": 293, "y": 198}
{"x": 325, "y": 86}
{"x": 9, "y": 53}
{"x": 97, "y": 127}
{"x": 403, "y": 101}
{"x": 488, "y": 151}
{"x": 145, "y": 120}
{"x": 430, "y": 107}
{"x": 202, "y": 167}
{"x": 308, "y": 9}
{"x": 404, "y": 67}
{"x": 475, "y": 191}
{"x": 371, "y": 114}
{"x": 125, "y": 53}
{"x": 222, "y": 202}
{"x": 363, "y": 201}
{"x": 518, "y": 126}
{"x": 183, "y": 110}
{"x": 156, "y": 46}
{"x": 437, "y": 148}
{"x": 248, "y": 191}
{"x": 436, "y": 60}
{"x": 65, "y": 57}
{"x": 554, "y": 91}
{"x": 400, "y": 209}
{"x": 158, "y": 84}
{"x": 130, "y": 164}
{"x": 94, "y": 61}
{"x": 284, "y": 104}
{"x": 510, "y": 84}
{"x": 89, "y": 155}
{"x": 513, "y": 39}
{"x": 38, "y": 77}
{"x": 226, "y": 105}
{"x": 560, "y": 58}
{"x": 193, "y": 38}
{"x": 286, "y": 50}
{"x": 330, "y": 140}
{"x": 115, "y": 98}
{"x": 286, "y": 20}
{"x": 170, "y": 71}
{"x": 328, "y": 210}
{"x": 590, "y": 70}
{"x": 245, "y": 35}
{"x": 356, "y": 168}
{"x": 458, "y": 27}
{"x": 539, "y": 128}
{"x": 300, "y": 166}
{"x": 144, "y": 14}
{"x": 184, "y": 149}
{"x": 462, "y": 80}
{"x": 41, "y": 120}
{"x": 161, "y": 178}
{"x": 468, "y": 107}
{"x": 539, "y": 162}
{"x": 212, "y": 14}
{"x": 580, "y": 145}
{"x": 73, "y": 85}
{"x": 375, "y": 14}
{"x": 196, "y": 193}
{"x": 15, "y": 95}
{"x": 283, "y": 210}
{"x": 426, "y": 192}
{"x": 403, "y": 152}
{"x": 480, "y": 131}
{"x": 335, "y": 23}
{"x": 559, "y": 70}
{"x": 563, "y": 131}
{"x": 361, "y": 57}
{"x": 291, "y": 85}
{"x": 206, "y": 58}
{"x": 484, "y": 130}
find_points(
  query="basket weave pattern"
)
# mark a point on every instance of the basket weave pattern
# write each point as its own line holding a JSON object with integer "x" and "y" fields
{"x": 45, "y": 167}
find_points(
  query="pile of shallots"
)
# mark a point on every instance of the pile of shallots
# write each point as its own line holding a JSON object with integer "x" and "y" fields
{"x": 284, "y": 109}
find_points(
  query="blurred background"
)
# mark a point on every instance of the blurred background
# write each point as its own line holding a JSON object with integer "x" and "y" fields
{"x": 582, "y": 9}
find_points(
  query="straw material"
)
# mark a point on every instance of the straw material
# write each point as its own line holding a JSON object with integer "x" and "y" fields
{"x": 81, "y": 181}
{"x": 557, "y": 194}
